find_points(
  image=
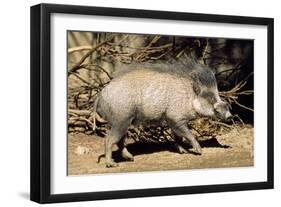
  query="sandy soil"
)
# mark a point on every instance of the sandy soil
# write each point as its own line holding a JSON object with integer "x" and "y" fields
{"x": 232, "y": 149}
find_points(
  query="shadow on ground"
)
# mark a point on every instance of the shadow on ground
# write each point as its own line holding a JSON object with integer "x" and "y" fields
{"x": 149, "y": 148}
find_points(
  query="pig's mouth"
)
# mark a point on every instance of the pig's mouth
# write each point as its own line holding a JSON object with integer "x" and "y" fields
{"x": 227, "y": 117}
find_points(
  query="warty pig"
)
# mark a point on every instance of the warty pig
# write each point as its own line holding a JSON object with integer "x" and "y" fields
{"x": 152, "y": 93}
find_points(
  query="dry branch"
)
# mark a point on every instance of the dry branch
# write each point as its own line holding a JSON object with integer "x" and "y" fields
{"x": 79, "y": 49}
{"x": 83, "y": 121}
{"x": 233, "y": 94}
{"x": 88, "y": 54}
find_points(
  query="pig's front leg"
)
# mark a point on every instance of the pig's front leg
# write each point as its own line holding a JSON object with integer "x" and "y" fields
{"x": 183, "y": 131}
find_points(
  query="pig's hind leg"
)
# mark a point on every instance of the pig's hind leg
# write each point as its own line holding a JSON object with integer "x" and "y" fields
{"x": 113, "y": 138}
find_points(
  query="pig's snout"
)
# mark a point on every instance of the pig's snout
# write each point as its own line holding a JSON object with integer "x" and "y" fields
{"x": 222, "y": 111}
{"x": 228, "y": 116}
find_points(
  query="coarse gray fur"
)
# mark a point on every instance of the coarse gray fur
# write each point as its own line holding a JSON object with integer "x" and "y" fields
{"x": 188, "y": 69}
{"x": 152, "y": 93}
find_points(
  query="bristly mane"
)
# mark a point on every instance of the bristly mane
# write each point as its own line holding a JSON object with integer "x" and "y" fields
{"x": 184, "y": 68}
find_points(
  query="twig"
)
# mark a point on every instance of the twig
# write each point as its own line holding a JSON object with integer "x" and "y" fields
{"x": 241, "y": 105}
{"x": 79, "y": 49}
{"x": 233, "y": 94}
{"x": 79, "y": 112}
{"x": 221, "y": 123}
{"x": 77, "y": 76}
{"x": 97, "y": 66}
{"x": 77, "y": 65}
{"x": 236, "y": 115}
{"x": 83, "y": 119}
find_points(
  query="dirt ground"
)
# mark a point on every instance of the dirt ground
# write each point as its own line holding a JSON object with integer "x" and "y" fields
{"x": 232, "y": 149}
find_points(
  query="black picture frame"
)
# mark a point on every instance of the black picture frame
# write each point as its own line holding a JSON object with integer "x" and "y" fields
{"x": 41, "y": 96}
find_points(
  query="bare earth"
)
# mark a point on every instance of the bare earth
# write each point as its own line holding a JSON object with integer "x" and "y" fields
{"x": 234, "y": 149}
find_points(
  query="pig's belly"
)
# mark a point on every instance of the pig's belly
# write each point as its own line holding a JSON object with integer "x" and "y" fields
{"x": 153, "y": 104}
{"x": 141, "y": 119}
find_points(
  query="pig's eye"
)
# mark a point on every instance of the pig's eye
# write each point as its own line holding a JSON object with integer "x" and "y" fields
{"x": 209, "y": 96}
{"x": 213, "y": 100}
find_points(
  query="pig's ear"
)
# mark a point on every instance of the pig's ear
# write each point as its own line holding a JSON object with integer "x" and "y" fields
{"x": 196, "y": 89}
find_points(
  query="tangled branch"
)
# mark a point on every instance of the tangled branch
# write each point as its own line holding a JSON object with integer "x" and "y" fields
{"x": 81, "y": 98}
{"x": 232, "y": 95}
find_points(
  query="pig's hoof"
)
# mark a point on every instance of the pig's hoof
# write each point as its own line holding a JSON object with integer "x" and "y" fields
{"x": 127, "y": 155}
{"x": 111, "y": 164}
{"x": 197, "y": 150}
{"x": 181, "y": 150}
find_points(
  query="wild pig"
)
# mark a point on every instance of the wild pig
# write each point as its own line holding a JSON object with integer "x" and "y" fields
{"x": 153, "y": 93}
